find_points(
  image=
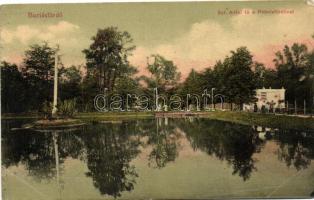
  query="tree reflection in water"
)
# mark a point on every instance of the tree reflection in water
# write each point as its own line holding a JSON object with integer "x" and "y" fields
{"x": 296, "y": 147}
{"x": 109, "y": 148}
{"x": 35, "y": 151}
{"x": 163, "y": 139}
{"x": 237, "y": 143}
{"x": 227, "y": 141}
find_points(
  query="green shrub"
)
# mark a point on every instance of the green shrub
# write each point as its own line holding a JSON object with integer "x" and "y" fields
{"x": 46, "y": 109}
{"x": 67, "y": 108}
{"x": 263, "y": 109}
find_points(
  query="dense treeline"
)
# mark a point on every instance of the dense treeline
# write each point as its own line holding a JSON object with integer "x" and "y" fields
{"x": 238, "y": 75}
{"x": 29, "y": 86}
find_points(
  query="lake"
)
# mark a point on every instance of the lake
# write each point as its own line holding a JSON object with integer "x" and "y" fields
{"x": 189, "y": 158}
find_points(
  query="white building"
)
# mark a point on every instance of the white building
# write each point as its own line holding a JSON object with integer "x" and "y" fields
{"x": 269, "y": 98}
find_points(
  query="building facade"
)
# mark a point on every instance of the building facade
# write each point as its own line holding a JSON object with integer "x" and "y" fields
{"x": 270, "y": 99}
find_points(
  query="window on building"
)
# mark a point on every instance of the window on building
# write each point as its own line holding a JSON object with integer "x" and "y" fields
{"x": 263, "y": 95}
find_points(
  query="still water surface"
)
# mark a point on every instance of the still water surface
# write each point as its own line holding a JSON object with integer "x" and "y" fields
{"x": 157, "y": 159}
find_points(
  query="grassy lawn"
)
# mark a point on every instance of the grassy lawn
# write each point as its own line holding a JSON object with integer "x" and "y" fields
{"x": 19, "y": 116}
{"x": 267, "y": 120}
{"x": 108, "y": 116}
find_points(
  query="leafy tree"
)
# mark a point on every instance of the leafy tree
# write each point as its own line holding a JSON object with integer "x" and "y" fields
{"x": 70, "y": 83}
{"x": 265, "y": 77}
{"x": 194, "y": 83}
{"x": 127, "y": 85}
{"x": 39, "y": 61}
{"x": 309, "y": 74}
{"x": 238, "y": 78}
{"x": 295, "y": 71}
{"x": 89, "y": 91}
{"x": 219, "y": 70}
{"x": 106, "y": 58}
{"x": 164, "y": 74}
{"x": 38, "y": 69}
{"x": 217, "y": 78}
{"x": 13, "y": 85}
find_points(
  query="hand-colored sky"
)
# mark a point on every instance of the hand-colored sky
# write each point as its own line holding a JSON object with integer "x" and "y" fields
{"x": 191, "y": 34}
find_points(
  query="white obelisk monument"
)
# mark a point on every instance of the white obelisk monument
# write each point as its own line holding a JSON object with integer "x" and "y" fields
{"x": 55, "y": 85}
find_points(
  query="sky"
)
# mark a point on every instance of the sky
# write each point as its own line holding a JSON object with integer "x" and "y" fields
{"x": 192, "y": 34}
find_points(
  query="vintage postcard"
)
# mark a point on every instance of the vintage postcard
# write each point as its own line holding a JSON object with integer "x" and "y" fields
{"x": 157, "y": 100}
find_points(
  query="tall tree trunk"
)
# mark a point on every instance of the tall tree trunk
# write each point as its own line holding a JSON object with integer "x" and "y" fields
{"x": 113, "y": 79}
{"x": 107, "y": 80}
{"x": 100, "y": 77}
